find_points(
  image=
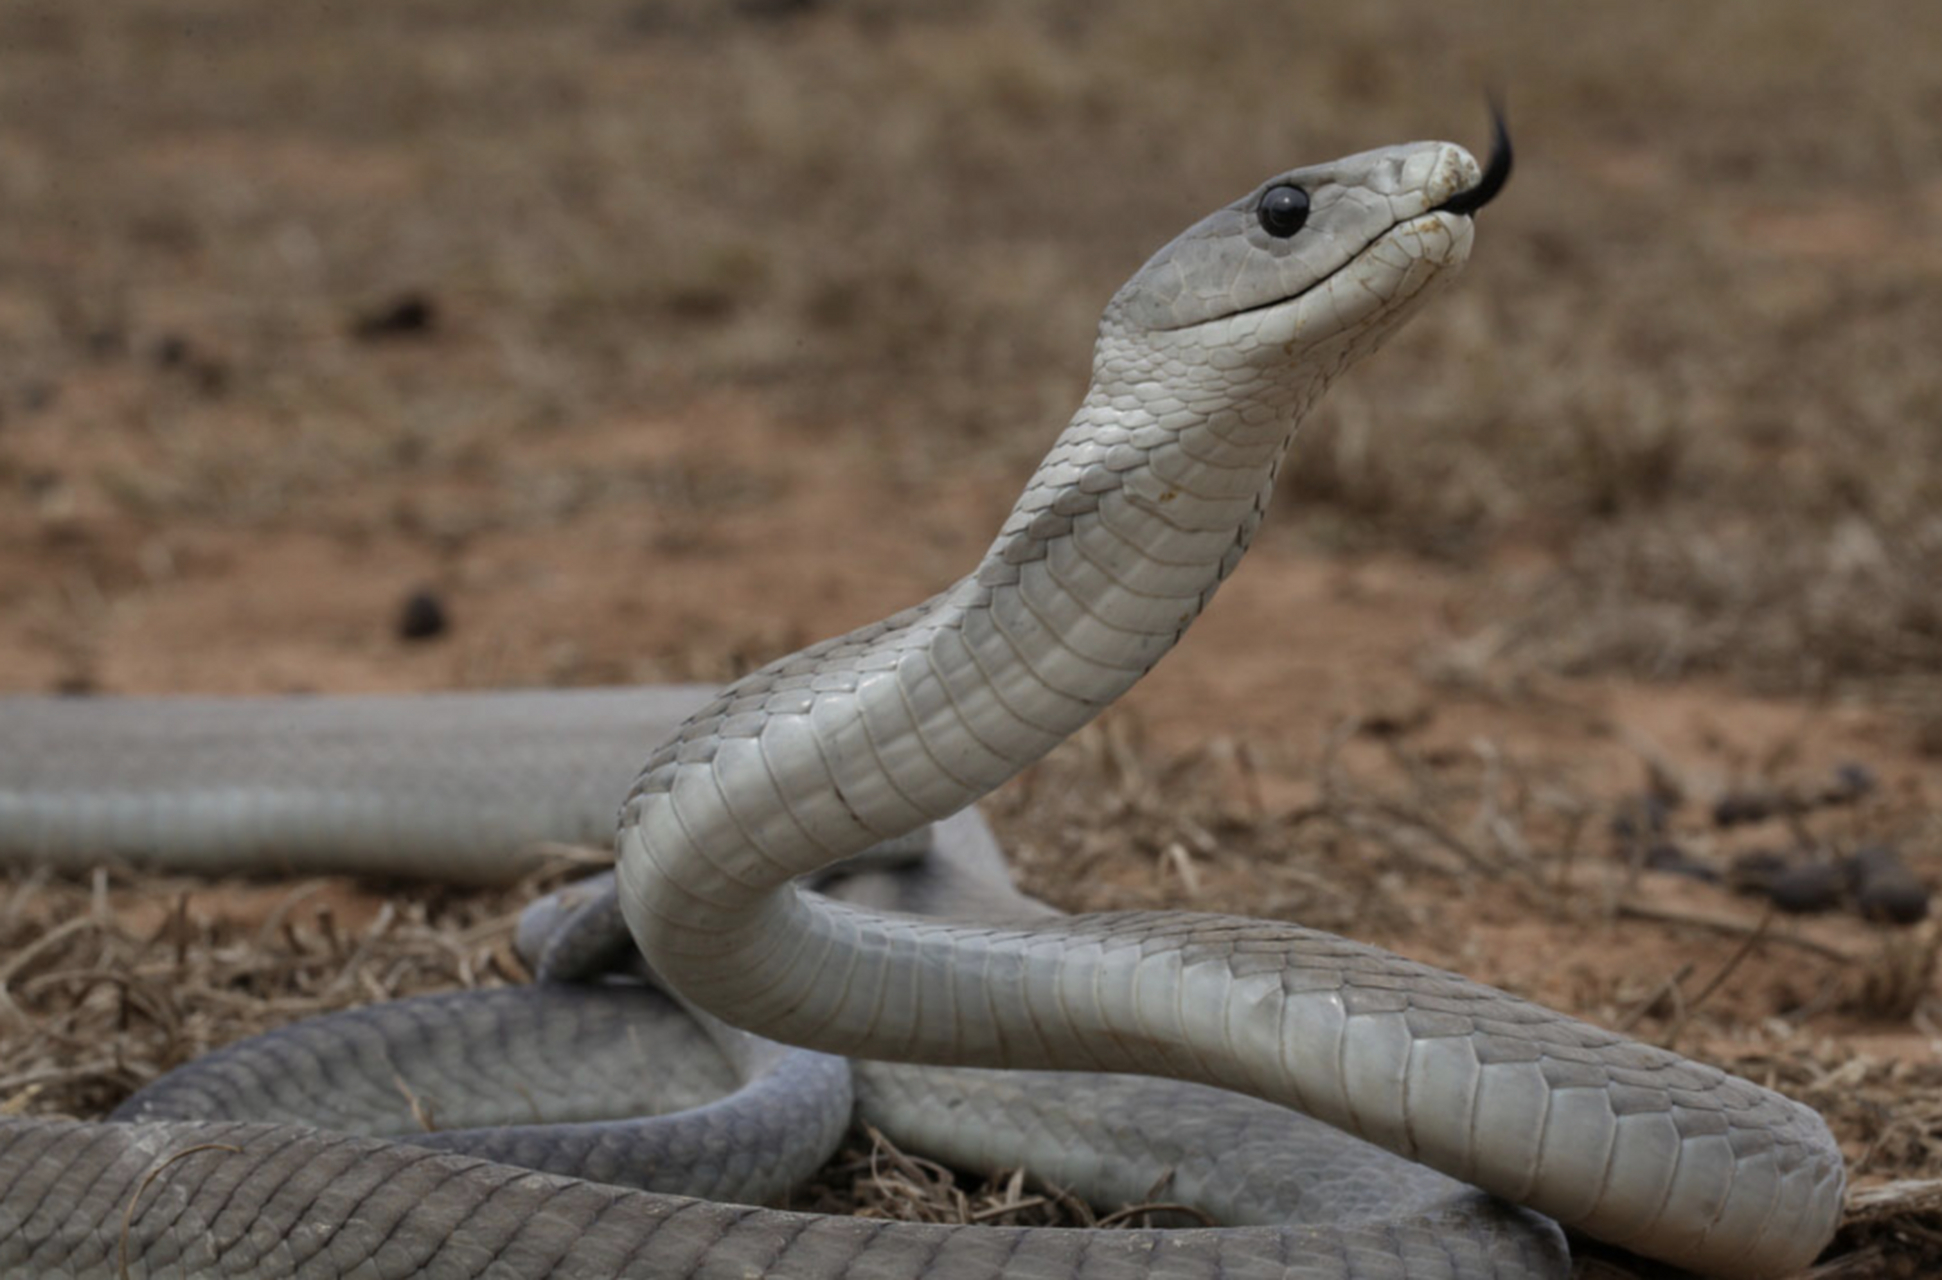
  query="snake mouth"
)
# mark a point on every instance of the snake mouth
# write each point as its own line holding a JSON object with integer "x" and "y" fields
{"x": 1313, "y": 285}
{"x": 1495, "y": 174}
{"x": 1289, "y": 298}
{"x": 1465, "y": 203}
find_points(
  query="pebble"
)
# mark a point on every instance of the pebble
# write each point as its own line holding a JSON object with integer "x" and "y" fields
{"x": 423, "y": 616}
{"x": 1884, "y": 888}
{"x": 1667, "y": 856}
{"x": 407, "y": 315}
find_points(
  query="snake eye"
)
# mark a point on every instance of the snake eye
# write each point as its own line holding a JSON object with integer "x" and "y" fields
{"x": 1282, "y": 211}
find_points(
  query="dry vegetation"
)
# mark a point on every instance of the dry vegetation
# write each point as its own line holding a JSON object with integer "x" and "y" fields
{"x": 632, "y": 327}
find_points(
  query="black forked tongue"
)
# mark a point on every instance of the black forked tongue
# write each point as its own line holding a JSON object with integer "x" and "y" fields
{"x": 1495, "y": 174}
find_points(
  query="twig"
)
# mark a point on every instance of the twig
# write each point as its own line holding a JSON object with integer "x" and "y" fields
{"x": 1669, "y": 987}
{"x": 1158, "y": 1206}
{"x": 421, "y": 1111}
{"x": 1869, "y": 1205}
{"x": 1718, "y": 979}
{"x": 1737, "y": 928}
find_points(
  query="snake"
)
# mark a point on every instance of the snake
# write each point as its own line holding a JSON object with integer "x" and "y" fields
{"x": 1205, "y": 362}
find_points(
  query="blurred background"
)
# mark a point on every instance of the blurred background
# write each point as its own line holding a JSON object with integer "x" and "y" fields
{"x": 365, "y": 270}
{"x": 434, "y": 343}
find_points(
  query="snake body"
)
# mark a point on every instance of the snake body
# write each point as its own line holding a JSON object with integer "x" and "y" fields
{"x": 455, "y": 787}
{"x": 530, "y": 1076}
{"x": 1206, "y": 360}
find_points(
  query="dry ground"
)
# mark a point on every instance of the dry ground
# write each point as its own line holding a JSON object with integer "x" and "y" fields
{"x": 741, "y": 324}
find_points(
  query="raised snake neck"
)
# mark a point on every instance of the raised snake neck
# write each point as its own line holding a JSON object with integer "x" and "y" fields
{"x": 1206, "y": 360}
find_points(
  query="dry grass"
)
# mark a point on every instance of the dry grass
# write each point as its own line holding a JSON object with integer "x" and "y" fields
{"x": 109, "y": 984}
{"x": 872, "y": 1178}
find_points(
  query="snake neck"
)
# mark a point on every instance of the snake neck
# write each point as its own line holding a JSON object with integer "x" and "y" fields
{"x": 1146, "y": 501}
{"x": 1144, "y": 504}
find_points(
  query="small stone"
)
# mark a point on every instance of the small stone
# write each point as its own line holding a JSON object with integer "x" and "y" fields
{"x": 422, "y": 616}
{"x": 1797, "y": 882}
{"x": 1808, "y": 887}
{"x": 1851, "y": 782}
{"x": 207, "y": 371}
{"x": 172, "y": 351}
{"x": 1737, "y": 807}
{"x": 407, "y": 315}
{"x": 1641, "y": 817}
{"x": 1669, "y": 857}
{"x": 1884, "y": 888}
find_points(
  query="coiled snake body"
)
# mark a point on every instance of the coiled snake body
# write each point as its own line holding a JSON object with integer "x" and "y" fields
{"x": 1206, "y": 360}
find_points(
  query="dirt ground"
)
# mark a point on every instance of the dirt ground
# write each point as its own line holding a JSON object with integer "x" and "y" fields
{"x": 655, "y": 339}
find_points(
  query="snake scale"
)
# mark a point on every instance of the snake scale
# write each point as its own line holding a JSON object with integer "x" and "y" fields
{"x": 1206, "y": 360}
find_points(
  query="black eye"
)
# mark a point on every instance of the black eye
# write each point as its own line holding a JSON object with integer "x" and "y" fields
{"x": 1283, "y": 210}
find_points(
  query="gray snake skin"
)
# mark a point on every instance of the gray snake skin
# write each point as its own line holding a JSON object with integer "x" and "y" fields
{"x": 1206, "y": 360}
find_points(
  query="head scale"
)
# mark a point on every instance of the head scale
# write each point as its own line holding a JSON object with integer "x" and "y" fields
{"x": 1310, "y": 260}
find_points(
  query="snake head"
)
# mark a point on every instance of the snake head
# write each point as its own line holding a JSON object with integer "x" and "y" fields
{"x": 1311, "y": 261}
